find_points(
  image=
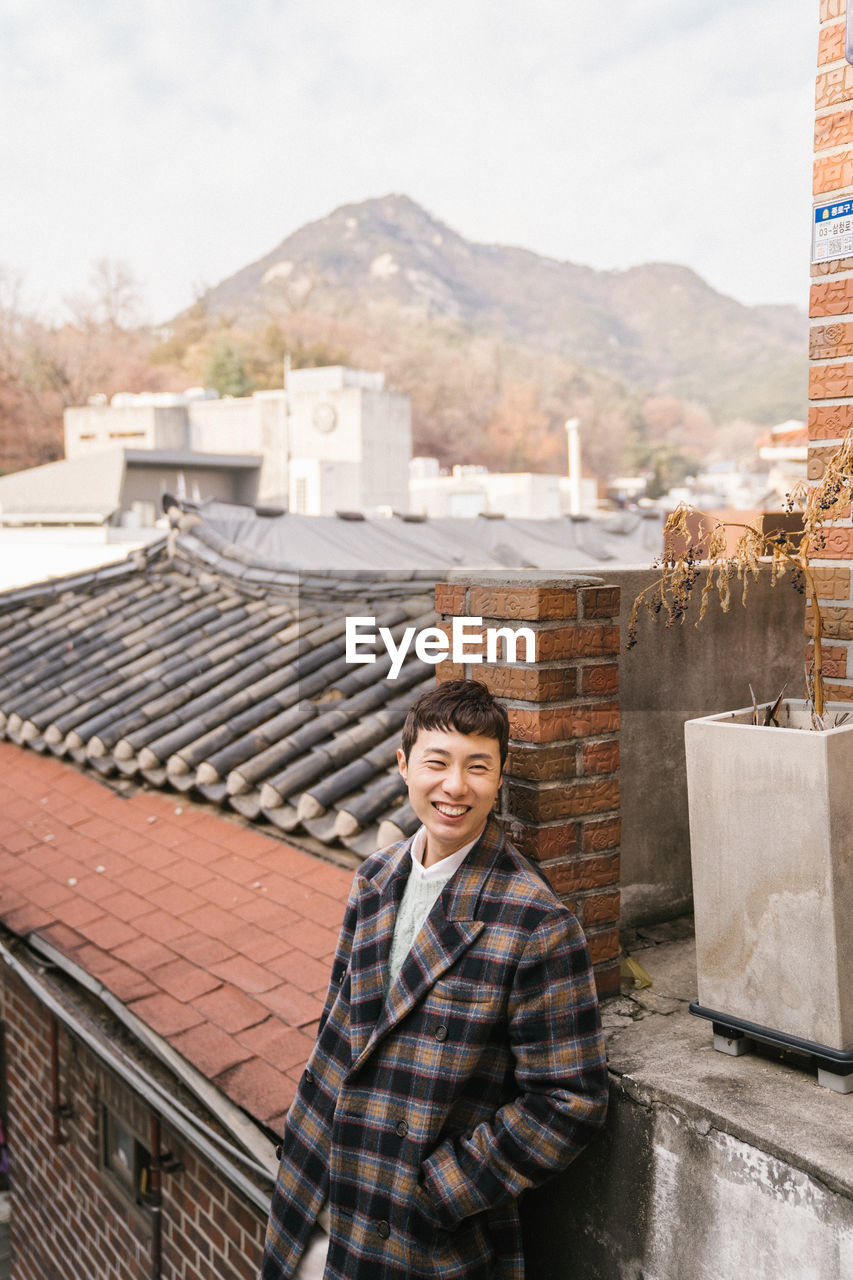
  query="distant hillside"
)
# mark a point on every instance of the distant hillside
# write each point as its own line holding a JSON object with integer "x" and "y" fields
{"x": 659, "y": 329}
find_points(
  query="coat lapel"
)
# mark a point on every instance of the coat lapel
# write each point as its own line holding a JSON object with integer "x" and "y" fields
{"x": 371, "y": 946}
{"x": 449, "y": 930}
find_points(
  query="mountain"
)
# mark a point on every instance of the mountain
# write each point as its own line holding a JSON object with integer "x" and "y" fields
{"x": 658, "y": 328}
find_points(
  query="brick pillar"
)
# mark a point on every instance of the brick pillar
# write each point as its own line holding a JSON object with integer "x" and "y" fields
{"x": 831, "y": 340}
{"x": 560, "y": 799}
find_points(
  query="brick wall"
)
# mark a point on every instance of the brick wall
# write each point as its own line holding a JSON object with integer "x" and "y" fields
{"x": 67, "y": 1222}
{"x": 831, "y": 340}
{"x": 560, "y": 799}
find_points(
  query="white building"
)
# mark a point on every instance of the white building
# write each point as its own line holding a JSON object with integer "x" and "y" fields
{"x": 473, "y": 491}
{"x": 333, "y": 439}
{"x": 786, "y": 449}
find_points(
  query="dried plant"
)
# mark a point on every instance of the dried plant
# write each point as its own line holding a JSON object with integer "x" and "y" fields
{"x": 783, "y": 552}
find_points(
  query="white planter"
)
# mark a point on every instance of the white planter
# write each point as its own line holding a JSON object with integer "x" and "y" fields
{"x": 771, "y": 835}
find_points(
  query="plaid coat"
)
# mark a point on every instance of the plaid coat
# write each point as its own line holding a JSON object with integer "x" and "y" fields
{"x": 424, "y": 1115}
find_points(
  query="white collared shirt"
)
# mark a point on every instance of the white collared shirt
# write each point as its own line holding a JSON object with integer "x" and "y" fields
{"x": 423, "y": 887}
{"x": 445, "y": 867}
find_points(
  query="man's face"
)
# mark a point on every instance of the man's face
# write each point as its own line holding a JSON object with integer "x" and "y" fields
{"x": 453, "y": 779}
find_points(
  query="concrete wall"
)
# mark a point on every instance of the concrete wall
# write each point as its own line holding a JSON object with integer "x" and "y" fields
{"x": 662, "y": 1195}
{"x": 386, "y": 445}
{"x": 93, "y": 428}
{"x": 670, "y": 676}
{"x": 342, "y": 442}
{"x": 273, "y": 446}
{"x": 225, "y": 426}
{"x": 320, "y": 488}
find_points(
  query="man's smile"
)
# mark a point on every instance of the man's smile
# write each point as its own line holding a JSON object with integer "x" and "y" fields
{"x": 453, "y": 780}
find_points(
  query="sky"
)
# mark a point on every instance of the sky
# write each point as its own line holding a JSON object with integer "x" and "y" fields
{"x": 188, "y": 138}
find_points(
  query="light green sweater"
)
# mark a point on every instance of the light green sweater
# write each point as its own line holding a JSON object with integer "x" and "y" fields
{"x": 423, "y": 888}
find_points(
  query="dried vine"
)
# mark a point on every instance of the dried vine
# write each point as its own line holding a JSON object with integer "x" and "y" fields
{"x": 821, "y": 505}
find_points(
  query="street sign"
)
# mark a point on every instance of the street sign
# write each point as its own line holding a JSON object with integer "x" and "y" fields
{"x": 832, "y": 235}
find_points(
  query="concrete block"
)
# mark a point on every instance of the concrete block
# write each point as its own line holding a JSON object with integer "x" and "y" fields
{"x": 771, "y": 834}
{"x": 831, "y": 1080}
{"x": 735, "y": 1046}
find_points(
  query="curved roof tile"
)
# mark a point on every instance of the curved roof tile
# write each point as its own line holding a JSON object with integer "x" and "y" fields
{"x": 202, "y": 666}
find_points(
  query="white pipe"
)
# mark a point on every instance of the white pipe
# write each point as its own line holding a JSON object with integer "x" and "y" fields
{"x": 574, "y": 443}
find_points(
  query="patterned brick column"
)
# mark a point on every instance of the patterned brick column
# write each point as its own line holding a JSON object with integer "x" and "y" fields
{"x": 560, "y": 799}
{"x": 831, "y": 344}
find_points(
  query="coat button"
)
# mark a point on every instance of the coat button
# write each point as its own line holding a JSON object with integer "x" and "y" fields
{"x": 402, "y": 1128}
{"x": 383, "y": 1229}
{"x": 441, "y": 1032}
{"x": 278, "y": 1151}
{"x": 308, "y": 1076}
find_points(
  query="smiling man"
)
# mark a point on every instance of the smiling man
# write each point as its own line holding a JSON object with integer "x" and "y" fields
{"x": 459, "y": 1057}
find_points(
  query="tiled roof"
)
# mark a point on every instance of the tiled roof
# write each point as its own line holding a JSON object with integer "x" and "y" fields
{"x": 200, "y": 666}
{"x": 785, "y": 435}
{"x": 218, "y": 937}
{"x": 439, "y": 543}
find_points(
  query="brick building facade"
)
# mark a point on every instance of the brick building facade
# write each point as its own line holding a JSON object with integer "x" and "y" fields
{"x": 79, "y": 1212}
{"x": 831, "y": 339}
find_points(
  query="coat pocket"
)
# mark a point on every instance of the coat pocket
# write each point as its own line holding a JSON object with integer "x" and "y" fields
{"x": 464, "y": 991}
{"x": 462, "y": 1252}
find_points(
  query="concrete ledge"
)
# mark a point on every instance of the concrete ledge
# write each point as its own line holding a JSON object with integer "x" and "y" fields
{"x": 710, "y": 1166}
{"x": 524, "y": 577}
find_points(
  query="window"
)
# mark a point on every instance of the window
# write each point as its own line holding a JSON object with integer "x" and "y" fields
{"x": 125, "y": 1161}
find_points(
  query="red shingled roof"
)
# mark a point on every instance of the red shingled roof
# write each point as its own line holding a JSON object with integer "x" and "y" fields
{"x": 220, "y": 938}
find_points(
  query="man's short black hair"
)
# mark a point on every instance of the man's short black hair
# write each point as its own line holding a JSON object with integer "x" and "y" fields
{"x": 463, "y": 705}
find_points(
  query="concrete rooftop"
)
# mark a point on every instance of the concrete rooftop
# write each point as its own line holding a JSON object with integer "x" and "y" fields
{"x": 710, "y": 1167}
{"x": 661, "y": 1053}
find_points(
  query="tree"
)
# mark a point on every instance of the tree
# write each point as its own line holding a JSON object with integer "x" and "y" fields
{"x": 224, "y": 368}
{"x": 47, "y": 367}
{"x": 113, "y": 300}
